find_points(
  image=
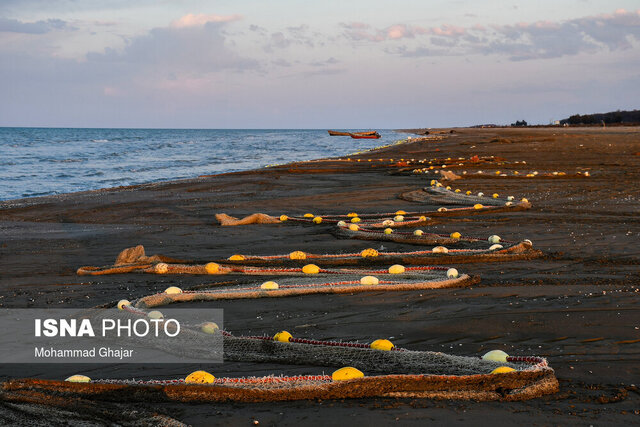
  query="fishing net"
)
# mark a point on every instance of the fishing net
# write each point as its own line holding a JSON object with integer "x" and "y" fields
{"x": 442, "y": 195}
{"x": 367, "y": 257}
{"x": 390, "y": 372}
{"x": 363, "y": 233}
{"x": 412, "y": 218}
{"x": 414, "y": 278}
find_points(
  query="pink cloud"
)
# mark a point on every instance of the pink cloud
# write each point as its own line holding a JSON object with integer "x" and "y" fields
{"x": 192, "y": 20}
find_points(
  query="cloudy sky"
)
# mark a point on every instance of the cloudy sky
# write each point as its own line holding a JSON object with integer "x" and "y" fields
{"x": 314, "y": 64}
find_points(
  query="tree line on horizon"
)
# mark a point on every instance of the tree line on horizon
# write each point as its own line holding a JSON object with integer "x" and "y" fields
{"x": 606, "y": 118}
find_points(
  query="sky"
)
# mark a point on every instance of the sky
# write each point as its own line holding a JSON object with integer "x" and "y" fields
{"x": 314, "y": 64}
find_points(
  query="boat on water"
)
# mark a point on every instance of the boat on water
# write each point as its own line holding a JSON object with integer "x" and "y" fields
{"x": 360, "y": 136}
{"x": 338, "y": 133}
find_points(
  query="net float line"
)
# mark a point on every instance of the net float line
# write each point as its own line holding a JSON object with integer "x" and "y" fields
{"x": 510, "y": 252}
{"x": 389, "y": 235}
{"x": 447, "y": 195}
{"x": 213, "y": 268}
{"x": 300, "y": 287}
{"x": 366, "y": 258}
{"x": 512, "y": 386}
{"x": 413, "y": 218}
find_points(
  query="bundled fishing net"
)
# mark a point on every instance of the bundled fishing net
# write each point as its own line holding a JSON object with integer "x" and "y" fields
{"x": 366, "y": 370}
{"x": 396, "y": 278}
{"x": 411, "y": 218}
{"x": 418, "y": 237}
{"x": 366, "y": 257}
{"x": 436, "y": 193}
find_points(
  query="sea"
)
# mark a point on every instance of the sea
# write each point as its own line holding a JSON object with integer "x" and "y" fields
{"x": 44, "y": 161}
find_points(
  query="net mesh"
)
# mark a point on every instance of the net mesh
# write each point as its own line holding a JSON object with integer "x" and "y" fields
{"x": 441, "y": 195}
{"x": 509, "y": 252}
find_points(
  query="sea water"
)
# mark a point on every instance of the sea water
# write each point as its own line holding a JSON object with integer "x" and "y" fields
{"x": 44, "y": 161}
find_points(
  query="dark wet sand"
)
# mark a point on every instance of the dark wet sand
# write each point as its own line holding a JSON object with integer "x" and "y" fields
{"x": 579, "y": 306}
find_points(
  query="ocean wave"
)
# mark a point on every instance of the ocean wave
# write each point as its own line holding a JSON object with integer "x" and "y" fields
{"x": 99, "y": 140}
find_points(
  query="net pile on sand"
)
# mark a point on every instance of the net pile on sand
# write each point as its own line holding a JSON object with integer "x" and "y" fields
{"x": 367, "y": 370}
{"x": 415, "y": 238}
{"x": 437, "y": 193}
{"x": 243, "y": 264}
{"x": 366, "y": 257}
{"x": 410, "y": 278}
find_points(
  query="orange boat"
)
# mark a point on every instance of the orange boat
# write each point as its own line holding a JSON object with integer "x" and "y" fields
{"x": 375, "y": 135}
{"x": 338, "y": 133}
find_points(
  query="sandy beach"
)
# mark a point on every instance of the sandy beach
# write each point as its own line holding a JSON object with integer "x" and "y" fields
{"x": 577, "y": 306}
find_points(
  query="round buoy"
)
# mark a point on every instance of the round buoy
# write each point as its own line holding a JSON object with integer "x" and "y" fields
{"x": 369, "y": 252}
{"x": 480, "y": 194}
{"x": 478, "y": 206}
{"x": 199, "y": 377}
{"x": 212, "y": 268}
{"x": 353, "y": 227}
{"x": 341, "y": 223}
{"x": 440, "y": 250}
{"x": 384, "y": 345}
{"x": 418, "y": 233}
{"x": 468, "y": 193}
{"x": 495, "y": 195}
{"x": 317, "y": 220}
{"x": 236, "y": 257}
{"x": 452, "y": 273}
{"x": 155, "y": 314}
{"x": 398, "y": 218}
{"x": 173, "y": 290}
{"x": 495, "y": 356}
{"x": 494, "y": 239}
{"x": 269, "y": 286}
{"x": 282, "y": 336}
{"x": 401, "y": 212}
{"x": 123, "y": 303}
{"x": 502, "y": 370}
{"x": 369, "y": 280}
{"x": 346, "y": 373}
{"x": 352, "y": 214}
{"x": 283, "y": 218}
{"x": 310, "y": 269}
{"x": 388, "y": 222}
{"x": 396, "y": 269}
{"x": 388, "y": 231}
{"x": 209, "y": 328}
{"x": 78, "y": 379}
{"x": 308, "y": 215}
{"x": 355, "y": 219}
{"x": 510, "y": 198}
{"x": 455, "y": 235}
{"x": 442, "y": 209}
{"x": 297, "y": 255}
